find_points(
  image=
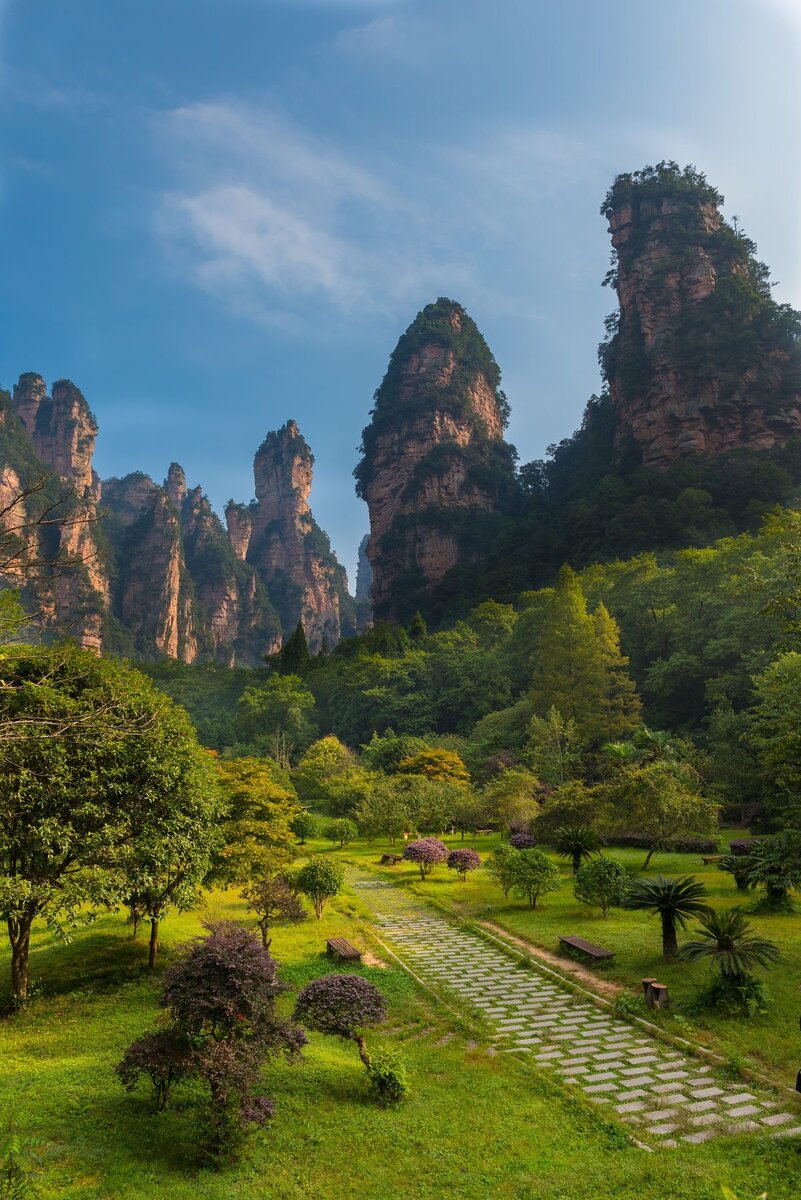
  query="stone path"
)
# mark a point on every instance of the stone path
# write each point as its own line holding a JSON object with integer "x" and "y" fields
{"x": 667, "y": 1095}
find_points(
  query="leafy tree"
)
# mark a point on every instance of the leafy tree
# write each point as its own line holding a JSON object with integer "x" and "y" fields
{"x": 468, "y": 811}
{"x": 305, "y": 825}
{"x": 221, "y": 1001}
{"x": 576, "y": 842}
{"x": 273, "y": 901}
{"x": 427, "y": 853}
{"x": 165, "y": 1057}
{"x": 601, "y": 883}
{"x": 775, "y": 865}
{"x": 384, "y": 812}
{"x": 660, "y": 803}
{"x": 418, "y": 630}
{"x": 443, "y": 766}
{"x": 324, "y": 761}
{"x": 283, "y": 706}
{"x": 258, "y": 829}
{"x": 343, "y": 1005}
{"x": 102, "y": 783}
{"x": 513, "y": 797}
{"x": 346, "y": 792}
{"x": 573, "y": 804}
{"x": 500, "y": 867}
{"x": 320, "y": 880}
{"x": 463, "y": 860}
{"x": 293, "y": 657}
{"x": 555, "y": 752}
{"x": 342, "y": 830}
{"x": 775, "y": 733}
{"x": 534, "y": 875}
{"x": 385, "y": 753}
{"x": 674, "y": 900}
{"x": 619, "y": 705}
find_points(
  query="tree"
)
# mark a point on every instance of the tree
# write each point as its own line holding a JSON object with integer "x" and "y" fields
{"x": 573, "y": 804}
{"x": 444, "y": 766}
{"x": 294, "y": 657}
{"x": 324, "y": 761}
{"x": 675, "y": 900}
{"x": 384, "y": 812}
{"x": 385, "y": 753}
{"x": 342, "y": 830}
{"x": 467, "y": 811}
{"x": 601, "y": 883}
{"x": 533, "y": 875}
{"x": 775, "y": 734}
{"x": 257, "y": 832}
{"x": 281, "y": 707}
{"x": 660, "y": 803}
{"x": 726, "y": 940}
{"x": 341, "y": 1005}
{"x": 273, "y": 901}
{"x": 579, "y": 668}
{"x": 500, "y": 867}
{"x": 305, "y": 825}
{"x": 576, "y": 842}
{"x": 101, "y": 783}
{"x": 555, "y": 751}
{"x": 462, "y": 861}
{"x": 513, "y": 797}
{"x": 426, "y": 852}
{"x": 164, "y": 1056}
{"x": 320, "y": 880}
{"x": 221, "y": 1001}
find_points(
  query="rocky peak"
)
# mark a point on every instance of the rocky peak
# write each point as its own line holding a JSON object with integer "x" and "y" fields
{"x": 61, "y": 428}
{"x": 435, "y": 470}
{"x": 239, "y": 521}
{"x": 700, "y": 358}
{"x": 175, "y": 484}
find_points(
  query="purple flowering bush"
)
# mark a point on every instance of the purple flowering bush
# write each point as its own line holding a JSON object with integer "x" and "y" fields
{"x": 462, "y": 861}
{"x": 426, "y": 852}
{"x": 522, "y": 841}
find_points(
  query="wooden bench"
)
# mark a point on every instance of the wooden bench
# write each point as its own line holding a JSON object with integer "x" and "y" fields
{"x": 340, "y": 948}
{"x": 579, "y": 943}
{"x": 484, "y": 832}
{"x": 390, "y": 860}
{"x": 710, "y": 858}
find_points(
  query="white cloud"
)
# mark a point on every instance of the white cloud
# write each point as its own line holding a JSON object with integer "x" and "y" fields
{"x": 398, "y": 38}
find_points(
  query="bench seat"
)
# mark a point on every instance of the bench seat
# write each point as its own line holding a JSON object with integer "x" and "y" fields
{"x": 588, "y": 948}
{"x": 341, "y": 948}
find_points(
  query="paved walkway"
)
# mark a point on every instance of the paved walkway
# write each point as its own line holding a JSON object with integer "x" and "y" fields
{"x": 668, "y": 1096}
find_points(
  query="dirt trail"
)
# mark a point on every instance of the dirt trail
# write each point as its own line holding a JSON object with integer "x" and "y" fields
{"x": 604, "y": 987}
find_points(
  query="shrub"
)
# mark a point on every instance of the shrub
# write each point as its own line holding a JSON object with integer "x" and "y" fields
{"x": 678, "y": 845}
{"x": 426, "y": 852}
{"x": 224, "y": 1027}
{"x": 533, "y": 875}
{"x": 273, "y": 900}
{"x": 320, "y": 880}
{"x": 522, "y": 841}
{"x": 601, "y": 883}
{"x": 733, "y": 997}
{"x": 462, "y": 861}
{"x": 305, "y": 826}
{"x": 387, "y": 1075}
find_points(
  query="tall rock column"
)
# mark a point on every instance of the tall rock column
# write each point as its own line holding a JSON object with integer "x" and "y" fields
{"x": 435, "y": 470}
{"x": 290, "y": 553}
{"x": 700, "y": 358}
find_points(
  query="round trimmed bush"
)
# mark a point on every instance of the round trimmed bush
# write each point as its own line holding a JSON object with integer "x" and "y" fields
{"x": 522, "y": 841}
{"x": 426, "y": 852}
{"x": 462, "y": 861}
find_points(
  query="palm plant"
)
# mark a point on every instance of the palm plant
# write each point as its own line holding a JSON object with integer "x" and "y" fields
{"x": 675, "y": 900}
{"x": 775, "y": 865}
{"x": 726, "y": 939}
{"x": 576, "y": 842}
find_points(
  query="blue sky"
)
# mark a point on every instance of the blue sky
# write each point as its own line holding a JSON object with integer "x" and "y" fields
{"x": 217, "y": 214}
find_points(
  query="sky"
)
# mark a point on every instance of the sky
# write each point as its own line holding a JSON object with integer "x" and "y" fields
{"x": 220, "y": 214}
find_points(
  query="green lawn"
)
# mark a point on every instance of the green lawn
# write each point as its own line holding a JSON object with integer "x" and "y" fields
{"x": 475, "y": 1126}
{"x": 769, "y": 1043}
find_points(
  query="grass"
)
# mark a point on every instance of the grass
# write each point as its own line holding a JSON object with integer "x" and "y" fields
{"x": 476, "y": 1125}
{"x": 761, "y": 1043}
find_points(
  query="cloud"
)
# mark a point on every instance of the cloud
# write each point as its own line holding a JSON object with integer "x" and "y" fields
{"x": 267, "y": 216}
{"x": 398, "y": 38}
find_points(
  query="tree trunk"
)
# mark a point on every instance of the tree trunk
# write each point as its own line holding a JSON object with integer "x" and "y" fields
{"x": 363, "y": 1055}
{"x": 648, "y": 858}
{"x": 19, "y": 934}
{"x": 154, "y": 942}
{"x": 576, "y": 863}
{"x": 670, "y": 946}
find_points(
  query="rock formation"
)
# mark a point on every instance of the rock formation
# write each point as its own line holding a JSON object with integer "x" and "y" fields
{"x": 700, "y": 358}
{"x": 364, "y": 587}
{"x": 285, "y": 545}
{"x": 149, "y": 570}
{"x": 435, "y": 469}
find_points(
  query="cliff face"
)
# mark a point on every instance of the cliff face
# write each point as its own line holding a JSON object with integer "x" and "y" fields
{"x": 364, "y": 588}
{"x": 286, "y": 547}
{"x": 435, "y": 470}
{"x": 700, "y": 358}
{"x": 150, "y": 570}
